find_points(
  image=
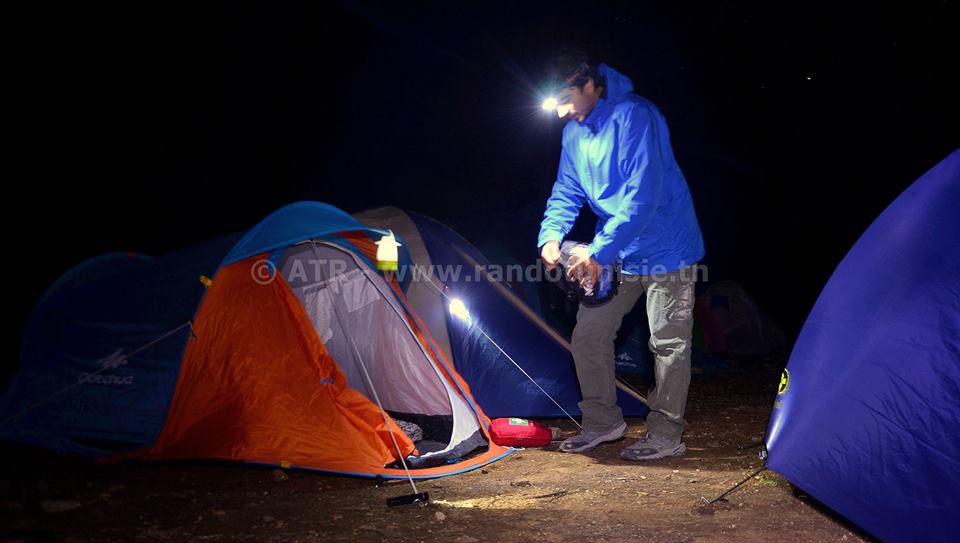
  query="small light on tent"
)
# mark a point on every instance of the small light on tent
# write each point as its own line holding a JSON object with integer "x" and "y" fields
{"x": 459, "y": 310}
{"x": 550, "y": 104}
{"x": 387, "y": 254}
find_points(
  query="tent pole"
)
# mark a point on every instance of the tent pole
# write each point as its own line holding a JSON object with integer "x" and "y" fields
{"x": 417, "y": 497}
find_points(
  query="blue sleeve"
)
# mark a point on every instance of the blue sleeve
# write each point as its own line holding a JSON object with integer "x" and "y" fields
{"x": 641, "y": 164}
{"x": 564, "y": 203}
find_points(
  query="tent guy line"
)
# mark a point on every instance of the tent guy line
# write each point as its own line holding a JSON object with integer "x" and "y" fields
{"x": 103, "y": 368}
{"x": 535, "y": 319}
{"x": 510, "y": 358}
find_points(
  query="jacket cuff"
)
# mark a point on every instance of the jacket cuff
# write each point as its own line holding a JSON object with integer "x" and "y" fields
{"x": 548, "y": 236}
{"x": 604, "y": 255}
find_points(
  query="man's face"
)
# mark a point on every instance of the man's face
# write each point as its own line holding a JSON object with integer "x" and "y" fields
{"x": 577, "y": 102}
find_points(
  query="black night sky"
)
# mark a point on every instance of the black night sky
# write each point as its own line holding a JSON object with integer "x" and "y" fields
{"x": 150, "y": 127}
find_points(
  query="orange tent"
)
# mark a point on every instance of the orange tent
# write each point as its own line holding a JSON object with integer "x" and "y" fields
{"x": 300, "y": 354}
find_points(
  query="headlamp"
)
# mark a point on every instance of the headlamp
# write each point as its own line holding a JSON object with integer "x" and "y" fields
{"x": 551, "y": 103}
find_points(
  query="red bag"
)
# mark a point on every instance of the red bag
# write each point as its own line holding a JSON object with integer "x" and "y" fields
{"x": 514, "y": 432}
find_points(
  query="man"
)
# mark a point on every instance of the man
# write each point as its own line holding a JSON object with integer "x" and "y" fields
{"x": 617, "y": 158}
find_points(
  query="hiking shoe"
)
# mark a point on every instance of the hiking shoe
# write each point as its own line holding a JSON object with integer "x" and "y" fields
{"x": 587, "y": 440}
{"x": 651, "y": 447}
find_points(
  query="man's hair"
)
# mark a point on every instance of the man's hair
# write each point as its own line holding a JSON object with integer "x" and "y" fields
{"x": 572, "y": 67}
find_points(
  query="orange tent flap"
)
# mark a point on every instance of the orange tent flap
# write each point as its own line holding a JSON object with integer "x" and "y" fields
{"x": 257, "y": 384}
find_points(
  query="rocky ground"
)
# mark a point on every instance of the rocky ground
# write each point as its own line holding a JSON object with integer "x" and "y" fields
{"x": 533, "y": 495}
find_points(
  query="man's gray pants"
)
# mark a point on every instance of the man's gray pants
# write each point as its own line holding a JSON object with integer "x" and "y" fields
{"x": 670, "y": 315}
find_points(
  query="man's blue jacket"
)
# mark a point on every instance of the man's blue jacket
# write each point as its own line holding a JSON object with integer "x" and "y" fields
{"x": 619, "y": 161}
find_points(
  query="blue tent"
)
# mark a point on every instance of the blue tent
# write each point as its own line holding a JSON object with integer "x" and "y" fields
{"x": 496, "y": 310}
{"x": 101, "y": 313}
{"x": 867, "y": 418}
{"x": 78, "y": 337}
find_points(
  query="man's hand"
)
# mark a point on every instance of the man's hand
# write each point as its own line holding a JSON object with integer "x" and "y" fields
{"x": 550, "y": 253}
{"x": 583, "y": 268}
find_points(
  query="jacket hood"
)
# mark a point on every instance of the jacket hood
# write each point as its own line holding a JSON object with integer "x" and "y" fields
{"x": 618, "y": 85}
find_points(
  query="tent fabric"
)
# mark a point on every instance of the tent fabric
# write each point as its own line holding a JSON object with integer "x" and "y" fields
{"x": 364, "y": 249}
{"x": 253, "y": 373}
{"x": 392, "y": 363}
{"x": 868, "y": 415}
{"x": 337, "y": 304}
{"x": 422, "y": 295}
{"x": 499, "y": 387}
{"x": 292, "y": 224}
{"x": 87, "y": 335}
{"x": 134, "y": 357}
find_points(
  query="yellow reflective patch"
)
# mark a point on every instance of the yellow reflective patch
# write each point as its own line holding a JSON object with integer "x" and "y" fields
{"x": 784, "y": 382}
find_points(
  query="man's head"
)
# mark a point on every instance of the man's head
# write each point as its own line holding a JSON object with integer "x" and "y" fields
{"x": 577, "y": 83}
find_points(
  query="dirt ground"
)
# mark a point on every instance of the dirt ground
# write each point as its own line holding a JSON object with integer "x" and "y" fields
{"x": 532, "y": 495}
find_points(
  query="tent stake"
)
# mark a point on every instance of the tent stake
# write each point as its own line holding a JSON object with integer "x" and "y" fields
{"x": 722, "y": 497}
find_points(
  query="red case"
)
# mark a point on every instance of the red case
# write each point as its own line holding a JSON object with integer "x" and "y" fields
{"x": 513, "y": 432}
